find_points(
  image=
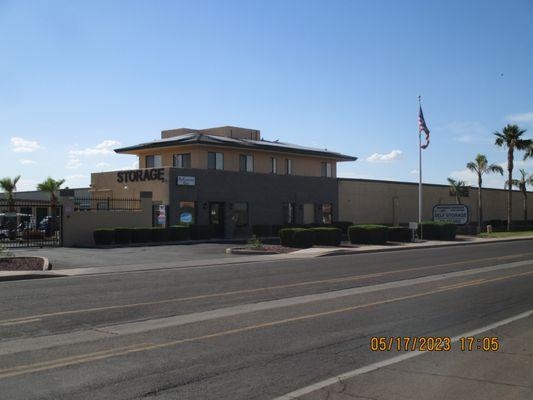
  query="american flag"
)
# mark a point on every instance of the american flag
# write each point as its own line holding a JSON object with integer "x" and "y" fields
{"x": 422, "y": 127}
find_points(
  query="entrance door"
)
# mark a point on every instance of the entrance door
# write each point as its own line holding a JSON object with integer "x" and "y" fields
{"x": 216, "y": 218}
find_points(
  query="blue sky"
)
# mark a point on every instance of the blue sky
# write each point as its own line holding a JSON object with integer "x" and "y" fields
{"x": 77, "y": 78}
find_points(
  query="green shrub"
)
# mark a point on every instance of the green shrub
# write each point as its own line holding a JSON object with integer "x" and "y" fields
{"x": 123, "y": 235}
{"x": 434, "y": 230}
{"x": 327, "y": 236}
{"x": 179, "y": 232}
{"x": 286, "y": 236}
{"x": 368, "y": 234}
{"x": 399, "y": 234}
{"x": 262, "y": 230}
{"x": 104, "y": 236}
{"x": 141, "y": 235}
{"x": 297, "y": 237}
{"x": 303, "y": 238}
{"x": 160, "y": 235}
{"x": 201, "y": 232}
{"x": 255, "y": 242}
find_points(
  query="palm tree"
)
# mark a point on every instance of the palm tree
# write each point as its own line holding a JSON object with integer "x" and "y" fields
{"x": 512, "y": 138}
{"x": 9, "y": 186}
{"x": 456, "y": 188}
{"x": 51, "y": 186}
{"x": 521, "y": 184}
{"x": 481, "y": 167}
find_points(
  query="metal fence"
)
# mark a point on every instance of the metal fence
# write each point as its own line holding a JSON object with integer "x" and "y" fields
{"x": 106, "y": 204}
{"x": 30, "y": 223}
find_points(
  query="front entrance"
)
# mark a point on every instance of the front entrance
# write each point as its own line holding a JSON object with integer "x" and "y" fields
{"x": 216, "y": 218}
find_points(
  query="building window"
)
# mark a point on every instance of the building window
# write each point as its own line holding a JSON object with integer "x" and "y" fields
{"x": 325, "y": 170}
{"x": 246, "y": 163}
{"x": 215, "y": 160}
{"x": 289, "y": 213}
{"x": 327, "y": 213}
{"x": 288, "y": 166}
{"x": 273, "y": 165}
{"x": 182, "y": 160}
{"x": 153, "y": 161}
{"x": 240, "y": 211}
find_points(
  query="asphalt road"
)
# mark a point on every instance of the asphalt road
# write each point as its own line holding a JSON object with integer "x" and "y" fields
{"x": 246, "y": 331}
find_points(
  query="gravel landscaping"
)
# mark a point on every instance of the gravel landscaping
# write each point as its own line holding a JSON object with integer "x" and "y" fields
{"x": 23, "y": 264}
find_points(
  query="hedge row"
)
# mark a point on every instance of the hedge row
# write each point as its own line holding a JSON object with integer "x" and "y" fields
{"x": 149, "y": 235}
{"x": 368, "y": 234}
{"x": 273, "y": 230}
{"x": 304, "y": 238}
{"x": 380, "y": 234}
{"x": 438, "y": 230}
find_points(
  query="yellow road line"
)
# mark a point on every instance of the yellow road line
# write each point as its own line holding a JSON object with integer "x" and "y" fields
{"x": 38, "y": 317}
{"x": 462, "y": 284}
{"x": 85, "y": 358}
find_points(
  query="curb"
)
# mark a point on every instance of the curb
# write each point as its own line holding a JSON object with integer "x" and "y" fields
{"x": 249, "y": 252}
{"x": 340, "y": 252}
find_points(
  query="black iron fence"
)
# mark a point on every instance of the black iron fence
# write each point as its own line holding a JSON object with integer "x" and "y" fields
{"x": 106, "y": 204}
{"x": 30, "y": 223}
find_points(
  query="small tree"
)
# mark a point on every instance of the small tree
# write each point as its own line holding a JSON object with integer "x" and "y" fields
{"x": 52, "y": 187}
{"x": 456, "y": 188}
{"x": 481, "y": 167}
{"x": 511, "y": 137}
{"x": 521, "y": 184}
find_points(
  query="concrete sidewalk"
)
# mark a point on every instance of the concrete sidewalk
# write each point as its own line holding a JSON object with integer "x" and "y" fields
{"x": 427, "y": 244}
{"x": 469, "y": 375}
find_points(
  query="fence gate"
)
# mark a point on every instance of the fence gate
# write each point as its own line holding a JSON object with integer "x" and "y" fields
{"x": 30, "y": 223}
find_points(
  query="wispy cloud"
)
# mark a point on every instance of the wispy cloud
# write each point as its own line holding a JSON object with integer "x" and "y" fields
{"x": 20, "y": 145}
{"x": 526, "y": 118}
{"x": 73, "y": 163}
{"x": 104, "y": 148}
{"x": 414, "y": 172}
{"x": 387, "y": 157}
{"x": 465, "y": 131}
{"x": 133, "y": 165}
{"x": 24, "y": 161}
{"x": 102, "y": 164}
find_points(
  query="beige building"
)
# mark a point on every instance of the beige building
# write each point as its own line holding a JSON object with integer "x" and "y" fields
{"x": 366, "y": 201}
{"x": 230, "y": 178}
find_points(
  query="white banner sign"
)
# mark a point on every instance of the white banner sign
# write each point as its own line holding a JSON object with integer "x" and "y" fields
{"x": 186, "y": 181}
{"x": 454, "y": 213}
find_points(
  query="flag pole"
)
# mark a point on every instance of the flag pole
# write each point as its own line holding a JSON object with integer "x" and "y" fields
{"x": 419, "y": 176}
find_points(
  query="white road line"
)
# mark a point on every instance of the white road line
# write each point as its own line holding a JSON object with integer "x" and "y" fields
{"x": 394, "y": 360}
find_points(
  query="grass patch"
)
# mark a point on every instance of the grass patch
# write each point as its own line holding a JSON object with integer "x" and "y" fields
{"x": 506, "y": 234}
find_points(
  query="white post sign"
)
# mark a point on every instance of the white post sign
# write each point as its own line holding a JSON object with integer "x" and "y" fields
{"x": 453, "y": 213}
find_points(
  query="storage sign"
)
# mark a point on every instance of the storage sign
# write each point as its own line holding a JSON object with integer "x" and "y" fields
{"x": 454, "y": 213}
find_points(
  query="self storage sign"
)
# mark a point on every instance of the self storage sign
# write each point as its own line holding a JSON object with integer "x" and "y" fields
{"x": 453, "y": 213}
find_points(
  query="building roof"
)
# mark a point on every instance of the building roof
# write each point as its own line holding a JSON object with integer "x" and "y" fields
{"x": 205, "y": 139}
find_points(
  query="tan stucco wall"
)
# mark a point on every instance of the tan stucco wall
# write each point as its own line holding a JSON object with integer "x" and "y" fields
{"x": 78, "y": 226}
{"x": 104, "y": 184}
{"x": 362, "y": 201}
{"x": 301, "y": 165}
